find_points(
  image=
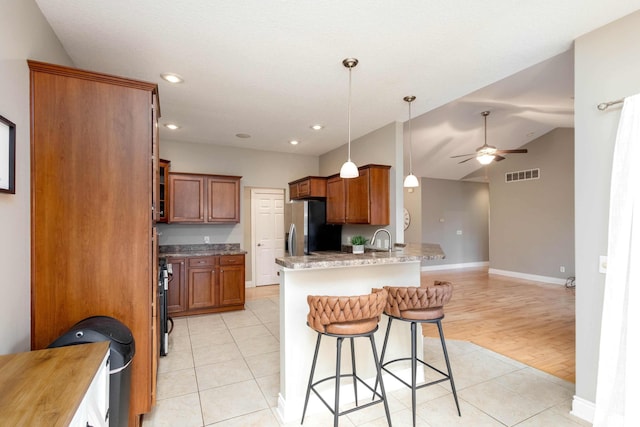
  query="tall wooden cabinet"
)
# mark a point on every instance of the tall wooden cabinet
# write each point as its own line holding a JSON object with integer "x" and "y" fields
{"x": 92, "y": 184}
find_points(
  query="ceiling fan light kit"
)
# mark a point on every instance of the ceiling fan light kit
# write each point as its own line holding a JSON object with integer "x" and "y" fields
{"x": 488, "y": 153}
{"x": 349, "y": 169}
{"x": 411, "y": 180}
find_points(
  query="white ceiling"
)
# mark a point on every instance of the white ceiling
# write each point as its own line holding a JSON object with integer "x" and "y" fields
{"x": 272, "y": 68}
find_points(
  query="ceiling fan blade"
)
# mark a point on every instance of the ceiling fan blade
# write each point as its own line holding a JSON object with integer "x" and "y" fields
{"x": 462, "y": 155}
{"x": 498, "y": 158}
{"x": 466, "y": 160}
{"x": 519, "y": 150}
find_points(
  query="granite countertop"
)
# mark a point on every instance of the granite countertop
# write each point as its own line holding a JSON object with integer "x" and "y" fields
{"x": 407, "y": 253}
{"x": 200, "y": 250}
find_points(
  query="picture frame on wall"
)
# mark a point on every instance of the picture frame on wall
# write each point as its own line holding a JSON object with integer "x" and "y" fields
{"x": 7, "y": 156}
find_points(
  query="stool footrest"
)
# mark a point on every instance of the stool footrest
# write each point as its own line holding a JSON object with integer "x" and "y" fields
{"x": 332, "y": 410}
{"x": 444, "y": 374}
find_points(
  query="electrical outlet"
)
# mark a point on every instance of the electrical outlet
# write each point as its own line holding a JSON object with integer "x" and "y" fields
{"x": 562, "y": 269}
{"x": 459, "y": 232}
{"x": 602, "y": 266}
{"x": 206, "y": 239}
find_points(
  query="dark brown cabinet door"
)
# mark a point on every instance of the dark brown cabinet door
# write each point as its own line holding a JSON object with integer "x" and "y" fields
{"x": 186, "y": 198}
{"x": 336, "y": 213}
{"x": 357, "y": 200}
{"x": 231, "y": 280}
{"x": 223, "y": 195}
{"x": 202, "y": 288}
{"x": 177, "y": 293}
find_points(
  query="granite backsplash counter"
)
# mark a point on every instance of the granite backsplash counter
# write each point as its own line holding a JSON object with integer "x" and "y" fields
{"x": 211, "y": 249}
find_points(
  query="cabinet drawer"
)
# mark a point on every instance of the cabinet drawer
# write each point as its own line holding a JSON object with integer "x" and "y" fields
{"x": 204, "y": 261}
{"x": 232, "y": 260}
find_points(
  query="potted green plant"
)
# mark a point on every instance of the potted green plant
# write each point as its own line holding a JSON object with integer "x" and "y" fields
{"x": 358, "y": 243}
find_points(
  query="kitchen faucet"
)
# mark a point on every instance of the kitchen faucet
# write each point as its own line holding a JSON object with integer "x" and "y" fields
{"x": 373, "y": 239}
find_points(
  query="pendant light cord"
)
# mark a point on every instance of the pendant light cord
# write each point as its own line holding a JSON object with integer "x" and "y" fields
{"x": 410, "y": 144}
{"x": 349, "y": 118}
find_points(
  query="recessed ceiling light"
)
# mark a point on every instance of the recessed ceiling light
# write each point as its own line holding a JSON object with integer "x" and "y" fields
{"x": 171, "y": 126}
{"x": 172, "y": 77}
{"x": 294, "y": 142}
{"x": 243, "y": 135}
{"x": 316, "y": 127}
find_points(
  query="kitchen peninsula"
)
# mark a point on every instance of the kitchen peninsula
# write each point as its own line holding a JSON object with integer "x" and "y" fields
{"x": 338, "y": 274}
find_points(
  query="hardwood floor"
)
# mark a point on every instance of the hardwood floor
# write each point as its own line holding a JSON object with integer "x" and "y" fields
{"x": 528, "y": 321}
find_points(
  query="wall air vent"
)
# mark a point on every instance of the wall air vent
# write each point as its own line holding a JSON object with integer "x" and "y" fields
{"x": 527, "y": 175}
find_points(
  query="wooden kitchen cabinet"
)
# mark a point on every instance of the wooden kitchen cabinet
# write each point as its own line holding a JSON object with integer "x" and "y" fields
{"x": 231, "y": 280}
{"x": 309, "y": 187}
{"x": 162, "y": 202}
{"x": 336, "y": 200}
{"x": 93, "y": 141}
{"x": 195, "y": 198}
{"x": 202, "y": 282}
{"x": 177, "y": 294}
{"x": 361, "y": 200}
{"x": 206, "y": 284}
{"x": 223, "y": 199}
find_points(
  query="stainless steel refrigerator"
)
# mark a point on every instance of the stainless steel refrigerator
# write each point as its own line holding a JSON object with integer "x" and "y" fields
{"x": 308, "y": 231}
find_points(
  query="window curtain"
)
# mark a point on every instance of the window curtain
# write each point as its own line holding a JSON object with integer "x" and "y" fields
{"x": 618, "y": 389}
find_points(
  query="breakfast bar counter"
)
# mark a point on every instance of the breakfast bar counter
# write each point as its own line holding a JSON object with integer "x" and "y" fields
{"x": 338, "y": 274}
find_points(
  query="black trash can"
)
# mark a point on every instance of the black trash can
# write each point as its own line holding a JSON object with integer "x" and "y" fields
{"x": 122, "y": 346}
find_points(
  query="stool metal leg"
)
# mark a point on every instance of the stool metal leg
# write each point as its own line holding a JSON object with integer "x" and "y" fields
{"x": 379, "y": 378}
{"x": 446, "y": 359}
{"x": 336, "y": 408}
{"x": 384, "y": 349}
{"x": 414, "y": 369}
{"x": 313, "y": 368}
{"x": 353, "y": 370}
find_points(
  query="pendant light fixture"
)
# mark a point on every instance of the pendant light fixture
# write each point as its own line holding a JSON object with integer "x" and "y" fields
{"x": 349, "y": 169}
{"x": 411, "y": 180}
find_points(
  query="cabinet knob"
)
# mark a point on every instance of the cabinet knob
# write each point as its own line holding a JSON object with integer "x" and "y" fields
{"x": 259, "y": 244}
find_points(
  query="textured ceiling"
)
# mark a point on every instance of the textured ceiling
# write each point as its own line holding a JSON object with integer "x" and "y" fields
{"x": 271, "y": 68}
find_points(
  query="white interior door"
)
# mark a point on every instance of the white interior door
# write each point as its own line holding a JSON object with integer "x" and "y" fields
{"x": 267, "y": 206}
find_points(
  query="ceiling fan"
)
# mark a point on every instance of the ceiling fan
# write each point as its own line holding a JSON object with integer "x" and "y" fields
{"x": 488, "y": 153}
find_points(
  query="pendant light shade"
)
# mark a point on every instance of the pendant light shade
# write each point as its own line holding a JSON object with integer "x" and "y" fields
{"x": 411, "y": 180}
{"x": 349, "y": 169}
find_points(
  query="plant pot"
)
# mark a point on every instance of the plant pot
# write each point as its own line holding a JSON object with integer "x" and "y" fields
{"x": 358, "y": 249}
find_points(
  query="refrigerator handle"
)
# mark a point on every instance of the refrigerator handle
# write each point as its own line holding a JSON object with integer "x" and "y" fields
{"x": 292, "y": 240}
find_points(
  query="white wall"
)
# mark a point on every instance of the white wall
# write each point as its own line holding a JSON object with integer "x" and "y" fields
{"x": 607, "y": 64}
{"x": 450, "y": 206}
{"x": 24, "y": 34}
{"x": 532, "y": 222}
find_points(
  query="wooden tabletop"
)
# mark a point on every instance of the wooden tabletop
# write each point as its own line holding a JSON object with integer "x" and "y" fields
{"x": 46, "y": 387}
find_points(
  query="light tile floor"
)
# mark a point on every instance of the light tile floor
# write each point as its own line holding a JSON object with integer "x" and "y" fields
{"x": 223, "y": 370}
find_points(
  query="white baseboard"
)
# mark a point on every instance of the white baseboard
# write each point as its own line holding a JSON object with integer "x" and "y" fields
{"x": 583, "y": 409}
{"x": 525, "y": 276}
{"x": 454, "y": 266}
{"x": 249, "y": 284}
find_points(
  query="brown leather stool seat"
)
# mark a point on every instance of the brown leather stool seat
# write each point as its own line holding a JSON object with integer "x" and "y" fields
{"x": 346, "y": 317}
{"x": 418, "y": 305}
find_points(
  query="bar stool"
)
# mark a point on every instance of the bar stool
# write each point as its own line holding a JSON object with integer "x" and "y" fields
{"x": 346, "y": 317}
{"x": 418, "y": 305}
